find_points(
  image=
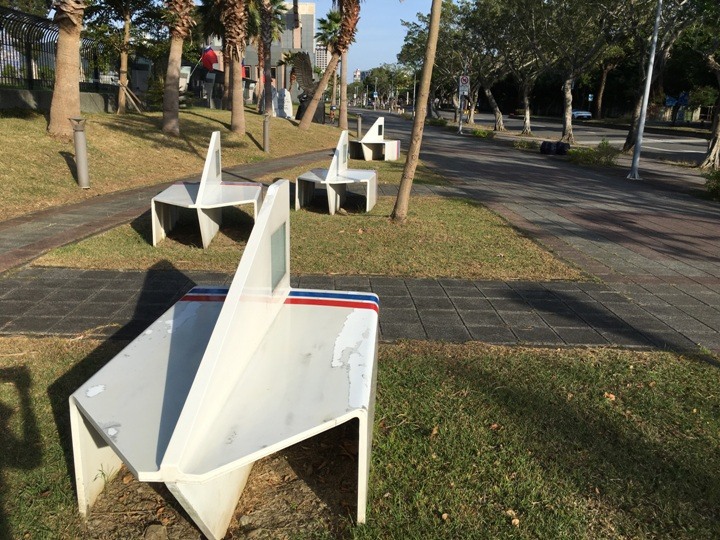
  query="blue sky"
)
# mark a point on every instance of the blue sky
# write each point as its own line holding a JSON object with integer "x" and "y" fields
{"x": 380, "y": 34}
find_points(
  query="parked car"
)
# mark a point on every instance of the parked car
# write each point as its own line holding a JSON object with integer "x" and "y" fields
{"x": 581, "y": 115}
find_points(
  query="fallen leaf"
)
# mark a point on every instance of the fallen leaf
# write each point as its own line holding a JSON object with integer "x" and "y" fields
{"x": 435, "y": 431}
{"x": 510, "y": 512}
{"x": 516, "y": 522}
{"x": 570, "y": 396}
{"x": 609, "y": 396}
{"x": 495, "y": 427}
{"x": 127, "y": 478}
{"x": 445, "y": 517}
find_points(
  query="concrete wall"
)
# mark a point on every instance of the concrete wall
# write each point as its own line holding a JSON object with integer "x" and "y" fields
{"x": 90, "y": 102}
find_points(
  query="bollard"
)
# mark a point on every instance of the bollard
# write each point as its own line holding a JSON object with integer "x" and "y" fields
{"x": 266, "y": 133}
{"x": 359, "y": 126}
{"x": 81, "y": 163}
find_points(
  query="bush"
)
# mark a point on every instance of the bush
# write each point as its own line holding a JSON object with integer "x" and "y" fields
{"x": 604, "y": 155}
{"x": 441, "y": 122}
{"x": 712, "y": 183}
{"x": 525, "y": 144}
{"x": 483, "y": 133}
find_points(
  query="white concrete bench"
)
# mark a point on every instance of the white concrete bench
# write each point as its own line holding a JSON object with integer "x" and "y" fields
{"x": 336, "y": 179}
{"x": 228, "y": 376}
{"x": 374, "y": 146}
{"x": 208, "y": 198}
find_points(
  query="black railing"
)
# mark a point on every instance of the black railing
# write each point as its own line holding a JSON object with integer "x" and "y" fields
{"x": 27, "y": 53}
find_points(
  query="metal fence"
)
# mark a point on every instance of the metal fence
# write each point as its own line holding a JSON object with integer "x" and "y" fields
{"x": 27, "y": 54}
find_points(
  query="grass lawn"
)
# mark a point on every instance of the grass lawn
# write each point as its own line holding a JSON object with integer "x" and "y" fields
{"x": 131, "y": 151}
{"x": 434, "y": 241}
{"x": 471, "y": 441}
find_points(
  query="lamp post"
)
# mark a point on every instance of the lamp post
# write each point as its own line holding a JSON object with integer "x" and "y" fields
{"x": 634, "y": 175}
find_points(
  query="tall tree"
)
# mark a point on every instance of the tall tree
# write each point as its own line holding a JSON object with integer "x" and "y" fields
{"x": 327, "y": 36}
{"x": 349, "y": 20}
{"x": 210, "y": 14}
{"x": 235, "y": 23}
{"x": 114, "y": 22}
{"x": 180, "y": 19}
{"x": 402, "y": 203}
{"x": 66, "y": 92}
{"x": 343, "y": 119}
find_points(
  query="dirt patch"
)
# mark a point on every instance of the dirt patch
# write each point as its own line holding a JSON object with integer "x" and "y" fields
{"x": 308, "y": 488}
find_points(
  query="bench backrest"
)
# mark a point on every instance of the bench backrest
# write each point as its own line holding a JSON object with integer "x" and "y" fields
{"x": 256, "y": 295}
{"x": 376, "y": 133}
{"x": 212, "y": 172}
{"x": 339, "y": 163}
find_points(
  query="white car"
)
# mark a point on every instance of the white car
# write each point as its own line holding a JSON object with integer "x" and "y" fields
{"x": 581, "y": 115}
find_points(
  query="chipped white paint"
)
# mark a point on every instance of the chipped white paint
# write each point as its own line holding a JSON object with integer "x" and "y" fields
{"x": 95, "y": 390}
{"x": 112, "y": 432}
{"x": 148, "y": 332}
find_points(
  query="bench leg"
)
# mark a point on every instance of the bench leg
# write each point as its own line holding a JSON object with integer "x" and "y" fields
{"x": 304, "y": 193}
{"x": 336, "y": 196}
{"x": 371, "y": 193}
{"x": 164, "y": 217}
{"x": 210, "y": 220}
{"x": 211, "y": 504}
{"x": 96, "y": 463}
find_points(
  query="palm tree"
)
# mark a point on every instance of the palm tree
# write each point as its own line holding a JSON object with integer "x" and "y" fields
{"x": 343, "y": 119}
{"x": 276, "y": 15}
{"x": 66, "y": 92}
{"x": 402, "y": 202}
{"x": 350, "y": 10}
{"x": 181, "y": 21}
{"x": 235, "y": 22}
{"x": 327, "y": 35}
{"x": 210, "y": 12}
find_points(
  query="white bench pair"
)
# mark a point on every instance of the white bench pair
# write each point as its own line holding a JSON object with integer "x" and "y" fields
{"x": 336, "y": 179}
{"x": 228, "y": 376}
{"x": 208, "y": 198}
{"x": 374, "y": 145}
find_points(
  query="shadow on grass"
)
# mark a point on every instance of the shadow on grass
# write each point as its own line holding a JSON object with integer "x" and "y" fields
{"x": 24, "y": 450}
{"x": 72, "y": 165}
{"x": 236, "y": 225}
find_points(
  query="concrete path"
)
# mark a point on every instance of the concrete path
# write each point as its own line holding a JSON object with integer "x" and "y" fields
{"x": 655, "y": 248}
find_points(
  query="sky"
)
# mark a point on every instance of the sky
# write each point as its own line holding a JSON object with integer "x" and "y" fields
{"x": 379, "y": 35}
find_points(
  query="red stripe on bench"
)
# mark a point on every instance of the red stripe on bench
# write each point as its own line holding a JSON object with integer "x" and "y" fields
{"x": 203, "y": 298}
{"x": 332, "y": 303}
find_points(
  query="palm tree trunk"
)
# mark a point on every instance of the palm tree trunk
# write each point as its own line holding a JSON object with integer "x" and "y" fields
{"x": 227, "y": 79}
{"x": 237, "y": 116}
{"x": 66, "y": 92}
{"x": 171, "y": 96}
{"x": 319, "y": 91}
{"x": 402, "y": 203}
{"x": 343, "y": 121}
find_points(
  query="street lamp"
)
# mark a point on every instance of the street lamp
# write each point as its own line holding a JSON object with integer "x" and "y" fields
{"x": 634, "y": 175}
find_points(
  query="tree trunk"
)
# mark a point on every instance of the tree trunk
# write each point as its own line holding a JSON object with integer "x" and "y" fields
{"x": 472, "y": 102}
{"x": 402, "y": 203}
{"x": 499, "y": 125}
{"x": 171, "y": 96}
{"x": 567, "y": 133}
{"x": 322, "y": 85}
{"x": 227, "y": 70}
{"x": 526, "y": 129}
{"x": 601, "y": 90}
{"x": 343, "y": 120}
{"x": 237, "y": 116}
{"x": 123, "y": 81}
{"x": 333, "y": 99}
{"x": 66, "y": 92}
{"x": 267, "y": 72}
{"x": 634, "y": 124}
{"x": 712, "y": 158}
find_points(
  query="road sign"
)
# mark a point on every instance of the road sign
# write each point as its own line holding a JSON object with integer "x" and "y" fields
{"x": 464, "y": 85}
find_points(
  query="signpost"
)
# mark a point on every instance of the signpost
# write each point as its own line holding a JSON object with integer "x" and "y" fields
{"x": 463, "y": 91}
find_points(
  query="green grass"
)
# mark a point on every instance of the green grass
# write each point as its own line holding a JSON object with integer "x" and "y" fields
{"x": 434, "y": 241}
{"x": 131, "y": 151}
{"x": 571, "y": 443}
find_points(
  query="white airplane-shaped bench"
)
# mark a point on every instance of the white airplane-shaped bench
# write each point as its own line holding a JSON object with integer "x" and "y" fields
{"x": 335, "y": 179}
{"x": 208, "y": 198}
{"x": 374, "y": 145}
{"x": 228, "y": 376}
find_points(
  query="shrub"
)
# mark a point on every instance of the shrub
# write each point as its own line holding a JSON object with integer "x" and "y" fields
{"x": 483, "y": 133}
{"x": 441, "y": 122}
{"x": 525, "y": 144}
{"x": 712, "y": 183}
{"x": 604, "y": 155}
